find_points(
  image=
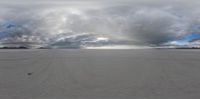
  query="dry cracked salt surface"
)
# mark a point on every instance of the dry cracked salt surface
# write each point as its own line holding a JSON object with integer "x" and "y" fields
{"x": 100, "y": 74}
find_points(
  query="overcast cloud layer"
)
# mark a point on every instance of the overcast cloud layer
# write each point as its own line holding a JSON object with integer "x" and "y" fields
{"x": 96, "y": 23}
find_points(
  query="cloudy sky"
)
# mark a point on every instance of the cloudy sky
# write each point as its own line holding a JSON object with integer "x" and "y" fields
{"x": 78, "y": 23}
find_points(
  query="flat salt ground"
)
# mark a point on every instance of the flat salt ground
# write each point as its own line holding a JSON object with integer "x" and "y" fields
{"x": 100, "y": 74}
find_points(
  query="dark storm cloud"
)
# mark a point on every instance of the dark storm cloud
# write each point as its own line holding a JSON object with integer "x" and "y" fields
{"x": 143, "y": 22}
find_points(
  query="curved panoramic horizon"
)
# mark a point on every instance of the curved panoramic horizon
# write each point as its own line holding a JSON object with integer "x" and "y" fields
{"x": 98, "y": 23}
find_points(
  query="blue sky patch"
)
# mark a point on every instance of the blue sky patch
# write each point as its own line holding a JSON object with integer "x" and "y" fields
{"x": 189, "y": 38}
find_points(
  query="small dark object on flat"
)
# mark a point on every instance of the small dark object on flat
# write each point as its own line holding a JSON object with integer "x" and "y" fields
{"x": 29, "y": 74}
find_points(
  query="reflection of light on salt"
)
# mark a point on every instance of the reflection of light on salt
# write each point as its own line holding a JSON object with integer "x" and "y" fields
{"x": 120, "y": 47}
